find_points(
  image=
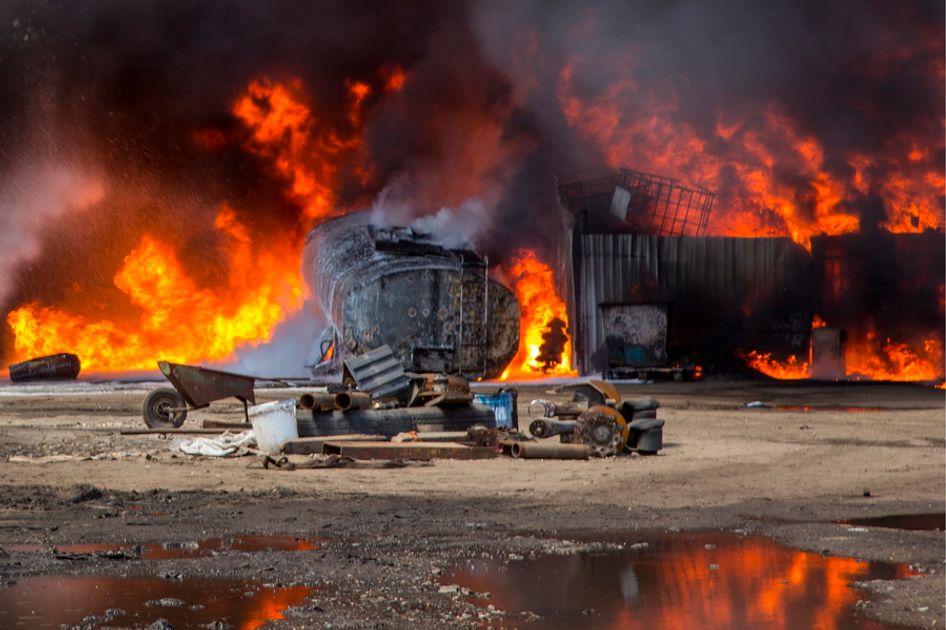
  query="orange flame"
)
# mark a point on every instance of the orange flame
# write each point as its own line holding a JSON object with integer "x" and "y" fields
{"x": 534, "y": 285}
{"x": 166, "y": 313}
{"x": 301, "y": 148}
{"x": 870, "y": 357}
{"x": 394, "y": 79}
{"x": 789, "y": 369}
{"x": 781, "y": 182}
{"x": 865, "y": 357}
{"x": 169, "y": 315}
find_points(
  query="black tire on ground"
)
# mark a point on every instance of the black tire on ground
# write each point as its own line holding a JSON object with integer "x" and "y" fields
{"x": 157, "y": 409}
{"x": 389, "y": 422}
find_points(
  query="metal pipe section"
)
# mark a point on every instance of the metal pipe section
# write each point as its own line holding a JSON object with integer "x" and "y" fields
{"x": 318, "y": 400}
{"x": 541, "y": 450}
{"x": 345, "y": 401}
{"x": 542, "y": 408}
{"x": 547, "y": 427}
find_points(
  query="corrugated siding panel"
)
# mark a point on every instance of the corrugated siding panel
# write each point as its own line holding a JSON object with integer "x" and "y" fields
{"x": 706, "y": 279}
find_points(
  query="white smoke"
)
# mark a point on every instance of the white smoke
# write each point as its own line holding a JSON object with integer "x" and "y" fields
{"x": 459, "y": 227}
{"x": 31, "y": 199}
{"x": 286, "y": 353}
{"x": 451, "y": 227}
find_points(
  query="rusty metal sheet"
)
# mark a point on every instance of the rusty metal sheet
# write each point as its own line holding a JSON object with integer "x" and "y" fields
{"x": 315, "y": 445}
{"x": 201, "y": 386}
{"x": 378, "y": 373}
{"x": 407, "y": 450}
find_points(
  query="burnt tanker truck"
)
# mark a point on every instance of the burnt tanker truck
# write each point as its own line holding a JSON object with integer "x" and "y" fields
{"x": 436, "y": 307}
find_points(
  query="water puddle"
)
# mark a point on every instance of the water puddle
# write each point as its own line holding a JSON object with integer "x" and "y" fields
{"x": 935, "y": 521}
{"x": 180, "y": 550}
{"x": 712, "y": 580}
{"x": 832, "y": 408}
{"x": 49, "y": 602}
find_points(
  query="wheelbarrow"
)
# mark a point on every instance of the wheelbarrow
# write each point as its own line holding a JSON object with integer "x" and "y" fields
{"x": 194, "y": 388}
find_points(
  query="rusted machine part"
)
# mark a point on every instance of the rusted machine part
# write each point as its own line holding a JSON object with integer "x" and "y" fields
{"x": 55, "y": 367}
{"x": 320, "y": 401}
{"x": 483, "y": 436}
{"x": 345, "y": 401}
{"x": 542, "y": 408}
{"x": 603, "y": 429}
{"x": 544, "y": 450}
{"x": 434, "y": 389}
{"x": 548, "y": 427}
{"x": 594, "y": 391}
{"x": 390, "y": 422}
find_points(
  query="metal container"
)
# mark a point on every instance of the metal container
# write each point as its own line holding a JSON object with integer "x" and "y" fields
{"x": 827, "y": 354}
{"x": 54, "y": 367}
{"x": 435, "y": 307}
{"x": 504, "y": 404}
{"x": 635, "y": 334}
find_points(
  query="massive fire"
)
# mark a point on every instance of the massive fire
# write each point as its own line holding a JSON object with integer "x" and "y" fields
{"x": 534, "y": 284}
{"x": 873, "y": 358}
{"x": 168, "y": 315}
{"x": 772, "y": 177}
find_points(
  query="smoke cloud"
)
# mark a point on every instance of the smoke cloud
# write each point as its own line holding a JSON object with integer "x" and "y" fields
{"x": 32, "y": 198}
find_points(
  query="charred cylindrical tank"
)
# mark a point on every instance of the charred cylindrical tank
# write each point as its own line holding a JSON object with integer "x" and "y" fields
{"x": 434, "y": 306}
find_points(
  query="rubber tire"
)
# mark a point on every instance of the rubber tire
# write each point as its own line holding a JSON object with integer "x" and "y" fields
{"x": 390, "y": 422}
{"x": 154, "y": 409}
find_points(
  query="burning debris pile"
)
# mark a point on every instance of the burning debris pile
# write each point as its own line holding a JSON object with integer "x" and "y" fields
{"x": 644, "y": 300}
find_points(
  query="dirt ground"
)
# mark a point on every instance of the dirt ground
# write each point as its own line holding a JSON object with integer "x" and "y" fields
{"x": 789, "y": 475}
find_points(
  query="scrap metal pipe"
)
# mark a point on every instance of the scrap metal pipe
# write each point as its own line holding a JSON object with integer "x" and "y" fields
{"x": 345, "y": 401}
{"x": 547, "y": 427}
{"x": 318, "y": 400}
{"x": 542, "y": 408}
{"x": 540, "y": 450}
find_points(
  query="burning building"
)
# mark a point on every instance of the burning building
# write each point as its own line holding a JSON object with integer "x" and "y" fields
{"x": 646, "y": 289}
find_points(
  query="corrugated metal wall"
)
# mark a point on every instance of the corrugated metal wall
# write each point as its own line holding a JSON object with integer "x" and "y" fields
{"x": 718, "y": 288}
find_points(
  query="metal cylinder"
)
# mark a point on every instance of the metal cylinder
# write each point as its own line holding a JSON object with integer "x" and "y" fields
{"x": 318, "y": 400}
{"x": 345, "y": 401}
{"x": 542, "y": 450}
{"x": 434, "y": 306}
{"x": 547, "y": 427}
{"x": 542, "y": 408}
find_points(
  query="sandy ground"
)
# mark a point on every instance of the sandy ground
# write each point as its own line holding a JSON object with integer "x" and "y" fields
{"x": 788, "y": 475}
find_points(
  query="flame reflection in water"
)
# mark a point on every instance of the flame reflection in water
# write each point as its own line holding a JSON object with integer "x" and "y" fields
{"x": 682, "y": 582}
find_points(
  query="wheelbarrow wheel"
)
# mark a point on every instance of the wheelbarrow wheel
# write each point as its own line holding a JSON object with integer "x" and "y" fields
{"x": 159, "y": 407}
